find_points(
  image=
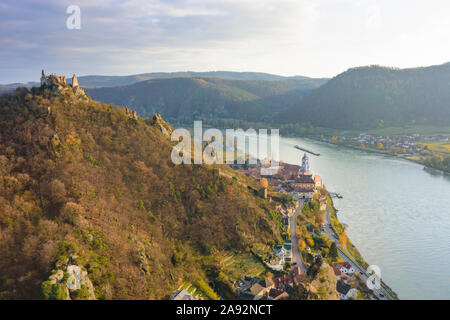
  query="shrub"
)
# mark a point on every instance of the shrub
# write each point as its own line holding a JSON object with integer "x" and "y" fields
{"x": 81, "y": 294}
{"x": 53, "y": 291}
{"x": 207, "y": 290}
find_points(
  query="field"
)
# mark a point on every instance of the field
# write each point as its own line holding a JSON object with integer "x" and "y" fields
{"x": 438, "y": 147}
{"x": 389, "y": 131}
{"x": 239, "y": 265}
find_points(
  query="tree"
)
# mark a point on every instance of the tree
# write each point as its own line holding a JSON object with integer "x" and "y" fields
{"x": 380, "y": 145}
{"x": 264, "y": 183}
{"x": 57, "y": 191}
{"x": 343, "y": 239}
{"x": 320, "y": 219}
{"x": 333, "y": 253}
{"x": 53, "y": 291}
{"x": 302, "y": 244}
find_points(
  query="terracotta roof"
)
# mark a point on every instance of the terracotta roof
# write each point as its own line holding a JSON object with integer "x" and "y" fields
{"x": 256, "y": 289}
{"x": 305, "y": 189}
{"x": 268, "y": 282}
{"x": 336, "y": 270}
{"x": 342, "y": 264}
{"x": 278, "y": 294}
{"x": 305, "y": 179}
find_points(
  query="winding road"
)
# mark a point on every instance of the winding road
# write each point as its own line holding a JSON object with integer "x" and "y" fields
{"x": 296, "y": 255}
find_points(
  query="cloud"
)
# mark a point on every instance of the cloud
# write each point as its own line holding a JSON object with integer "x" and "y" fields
{"x": 373, "y": 16}
{"x": 142, "y": 29}
{"x": 318, "y": 37}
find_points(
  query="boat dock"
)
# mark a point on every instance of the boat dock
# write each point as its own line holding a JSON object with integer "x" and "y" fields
{"x": 335, "y": 195}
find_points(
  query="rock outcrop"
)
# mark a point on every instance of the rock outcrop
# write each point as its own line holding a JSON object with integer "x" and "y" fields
{"x": 158, "y": 122}
{"x": 72, "y": 280}
{"x": 324, "y": 284}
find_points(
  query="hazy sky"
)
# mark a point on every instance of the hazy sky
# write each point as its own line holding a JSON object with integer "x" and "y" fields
{"x": 318, "y": 38}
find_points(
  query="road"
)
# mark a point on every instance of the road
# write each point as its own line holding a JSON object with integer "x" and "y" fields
{"x": 362, "y": 271}
{"x": 296, "y": 256}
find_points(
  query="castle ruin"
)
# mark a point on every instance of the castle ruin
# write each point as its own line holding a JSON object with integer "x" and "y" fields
{"x": 59, "y": 83}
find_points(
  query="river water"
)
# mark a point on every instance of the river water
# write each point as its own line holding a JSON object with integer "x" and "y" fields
{"x": 397, "y": 213}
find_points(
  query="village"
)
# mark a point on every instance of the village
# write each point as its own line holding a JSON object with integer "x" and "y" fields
{"x": 401, "y": 145}
{"x": 297, "y": 182}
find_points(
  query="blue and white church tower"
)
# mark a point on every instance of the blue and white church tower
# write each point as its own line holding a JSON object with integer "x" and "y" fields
{"x": 305, "y": 164}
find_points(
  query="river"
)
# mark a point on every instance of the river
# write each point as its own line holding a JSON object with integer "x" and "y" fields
{"x": 397, "y": 213}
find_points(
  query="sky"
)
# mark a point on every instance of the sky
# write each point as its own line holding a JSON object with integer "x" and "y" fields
{"x": 316, "y": 38}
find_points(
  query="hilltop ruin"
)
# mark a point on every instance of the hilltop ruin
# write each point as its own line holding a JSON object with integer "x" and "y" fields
{"x": 58, "y": 83}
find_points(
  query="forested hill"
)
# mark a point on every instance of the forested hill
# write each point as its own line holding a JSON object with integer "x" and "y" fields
{"x": 91, "y": 185}
{"x": 92, "y": 81}
{"x": 196, "y": 98}
{"x": 361, "y": 97}
{"x": 110, "y": 81}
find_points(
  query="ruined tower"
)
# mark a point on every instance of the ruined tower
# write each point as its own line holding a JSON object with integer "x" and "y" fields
{"x": 43, "y": 79}
{"x": 74, "y": 81}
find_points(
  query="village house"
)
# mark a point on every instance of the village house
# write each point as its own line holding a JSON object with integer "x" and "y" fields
{"x": 181, "y": 295}
{"x": 268, "y": 283}
{"x": 254, "y": 289}
{"x": 304, "y": 186}
{"x": 257, "y": 291}
{"x": 275, "y": 294}
{"x": 283, "y": 282}
{"x": 343, "y": 268}
{"x": 318, "y": 181}
{"x": 346, "y": 291}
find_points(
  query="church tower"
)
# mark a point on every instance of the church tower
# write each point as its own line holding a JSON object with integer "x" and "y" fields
{"x": 305, "y": 164}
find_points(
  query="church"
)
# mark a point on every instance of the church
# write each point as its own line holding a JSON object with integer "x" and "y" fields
{"x": 304, "y": 184}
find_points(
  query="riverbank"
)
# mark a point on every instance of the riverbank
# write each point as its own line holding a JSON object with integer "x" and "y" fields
{"x": 382, "y": 152}
{"x": 350, "y": 252}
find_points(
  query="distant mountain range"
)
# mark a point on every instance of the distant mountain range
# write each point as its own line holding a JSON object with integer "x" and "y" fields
{"x": 366, "y": 97}
{"x": 113, "y": 81}
{"x": 363, "y": 97}
{"x": 201, "y": 97}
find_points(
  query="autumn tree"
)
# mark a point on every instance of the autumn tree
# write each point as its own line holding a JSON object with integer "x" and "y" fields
{"x": 343, "y": 239}
{"x": 320, "y": 219}
{"x": 302, "y": 244}
{"x": 264, "y": 183}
